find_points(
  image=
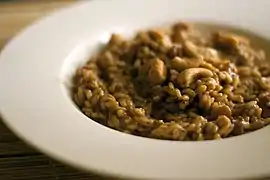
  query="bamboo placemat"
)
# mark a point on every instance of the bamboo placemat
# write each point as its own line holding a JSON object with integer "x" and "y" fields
{"x": 18, "y": 161}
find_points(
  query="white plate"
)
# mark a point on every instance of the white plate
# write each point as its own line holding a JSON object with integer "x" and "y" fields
{"x": 36, "y": 106}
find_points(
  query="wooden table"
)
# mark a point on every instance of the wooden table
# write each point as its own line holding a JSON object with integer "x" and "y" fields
{"x": 18, "y": 161}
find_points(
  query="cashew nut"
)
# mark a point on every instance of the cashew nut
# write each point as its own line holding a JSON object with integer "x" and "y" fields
{"x": 157, "y": 72}
{"x": 180, "y": 64}
{"x": 209, "y": 53}
{"x": 188, "y": 76}
{"x": 222, "y": 65}
{"x": 196, "y": 51}
{"x": 156, "y": 34}
{"x": 229, "y": 40}
{"x": 179, "y": 32}
{"x": 191, "y": 49}
{"x": 182, "y": 26}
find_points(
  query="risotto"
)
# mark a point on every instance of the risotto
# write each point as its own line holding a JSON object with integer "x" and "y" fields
{"x": 176, "y": 84}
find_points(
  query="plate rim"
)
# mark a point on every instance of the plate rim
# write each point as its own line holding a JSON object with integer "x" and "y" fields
{"x": 16, "y": 43}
